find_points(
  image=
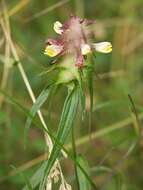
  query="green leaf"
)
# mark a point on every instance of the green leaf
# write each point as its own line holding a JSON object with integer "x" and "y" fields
{"x": 135, "y": 117}
{"x": 52, "y": 68}
{"x": 83, "y": 182}
{"x": 36, "y": 106}
{"x": 27, "y": 182}
{"x": 65, "y": 125}
{"x": 36, "y": 178}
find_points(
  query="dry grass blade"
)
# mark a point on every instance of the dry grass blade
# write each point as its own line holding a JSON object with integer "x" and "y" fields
{"x": 1, "y": 42}
{"x": 45, "y": 11}
{"x": 133, "y": 45}
{"x": 25, "y": 79}
{"x": 18, "y": 7}
{"x": 6, "y": 69}
{"x": 111, "y": 74}
{"x": 23, "y": 74}
{"x": 119, "y": 164}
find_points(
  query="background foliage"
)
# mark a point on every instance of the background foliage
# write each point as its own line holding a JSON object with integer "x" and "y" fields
{"x": 113, "y": 145}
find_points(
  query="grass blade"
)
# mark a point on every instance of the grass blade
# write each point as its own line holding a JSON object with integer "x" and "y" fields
{"x": 36, "y": 178}
{"x": 136, "y": 121}
{"x": 75, "y": 157}
{"x": 83, "y": 182}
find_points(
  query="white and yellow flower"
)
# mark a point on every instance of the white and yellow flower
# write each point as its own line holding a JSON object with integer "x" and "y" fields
{"x": 58, "y": 27}
{"x": 53, "y": 50}
{"x": 103, "y": 47}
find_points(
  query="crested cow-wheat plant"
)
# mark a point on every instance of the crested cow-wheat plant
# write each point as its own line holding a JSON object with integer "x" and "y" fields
{"x": 66, "y": 70}
{"x": 74, "y": 56}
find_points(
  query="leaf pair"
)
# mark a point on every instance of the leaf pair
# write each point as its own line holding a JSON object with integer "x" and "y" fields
{"x": 36, "y": 178}
{"x": 66, "y": 122}
{"x": 65, "y": 125}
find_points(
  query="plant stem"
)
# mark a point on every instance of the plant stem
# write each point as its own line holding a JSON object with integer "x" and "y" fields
{"x": 75, "y": 157}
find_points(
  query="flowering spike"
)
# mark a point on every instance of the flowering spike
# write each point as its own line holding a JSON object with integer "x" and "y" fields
{"x": 74, "y": 39}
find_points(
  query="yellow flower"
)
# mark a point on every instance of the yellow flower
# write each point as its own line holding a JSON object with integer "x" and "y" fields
{"x": 53, "y": 50}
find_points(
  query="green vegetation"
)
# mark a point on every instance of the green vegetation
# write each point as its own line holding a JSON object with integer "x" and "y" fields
{"x": 96, "y": 120}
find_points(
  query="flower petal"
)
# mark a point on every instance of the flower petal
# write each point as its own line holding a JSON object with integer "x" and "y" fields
{"x": 58, "y": 27}
{"x": 103, "y": 47}
{"x": 85, "y": 49}
{"x": 53, "y": 50}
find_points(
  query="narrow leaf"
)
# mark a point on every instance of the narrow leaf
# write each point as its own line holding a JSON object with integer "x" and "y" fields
{"x": 36, "y": 106}
{"x": 83, "y": 182}
{"x": 75, "y": 158}
{"x": 66, "y": 122}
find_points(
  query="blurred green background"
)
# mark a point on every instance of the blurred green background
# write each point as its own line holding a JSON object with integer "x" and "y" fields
{"x": 116, "y": 140}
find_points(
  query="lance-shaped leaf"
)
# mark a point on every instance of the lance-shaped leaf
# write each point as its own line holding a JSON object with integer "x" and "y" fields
{"x": 36, "y": 106}
{"x": 65, "y": 125}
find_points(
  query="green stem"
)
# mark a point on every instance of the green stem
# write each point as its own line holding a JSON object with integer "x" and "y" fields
{"x": 75, "y": 157}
